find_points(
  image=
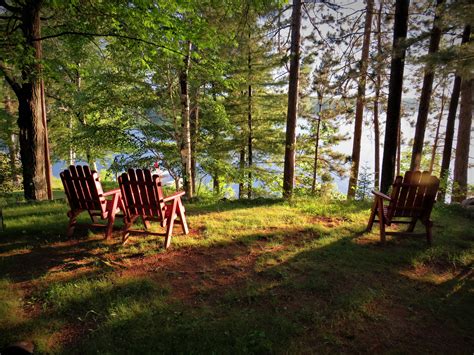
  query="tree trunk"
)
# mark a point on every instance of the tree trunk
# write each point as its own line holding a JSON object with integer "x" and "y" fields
{"x": 355, "y": 159}
{"x": 241, "y": 168}
{"x": 461, "y": 162}
{"x": 215, "y": 184}
{"x": 376, "y": 144}
{"x": 194, "y": 140}
{"x": 185, "y": 125}
{"x": 378, "y": 88}
{"x": 13, "y": 142}
{"x": 316, "y": 146}
{"x": 399, "y": 147}
{"x": 448, "y": 138}
{"x": 436, "y": 137}
{"x": 426, "y": 91}
{"x": 250, "y": 139}
{"x": 72, "y": 154}
{"x": 395, "y": 94}
{"x": 30, "y": 115}
{"x": 290, "y": 142}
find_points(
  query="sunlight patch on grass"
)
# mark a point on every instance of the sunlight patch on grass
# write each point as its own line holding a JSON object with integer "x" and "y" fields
{"x": 11, "y": 313}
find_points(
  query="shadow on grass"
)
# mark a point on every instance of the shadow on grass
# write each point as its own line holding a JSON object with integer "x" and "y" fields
{"x": 228, "y": 205}
{"x": 288, "y": 291}
{"x": 333, "y": 298}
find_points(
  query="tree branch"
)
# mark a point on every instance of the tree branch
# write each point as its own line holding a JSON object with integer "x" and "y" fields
{"x": 117, "y": 35}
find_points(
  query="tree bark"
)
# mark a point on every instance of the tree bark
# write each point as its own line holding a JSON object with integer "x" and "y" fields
{"x": 250, "y": 141}
{"x": 355, "y": 159}
{"x": 30, "y": 119}
{"x": 215, "y": 184}
{"x": 399, "y": 147}
{"x": 376, "y": 144}
{"x": 461, "y": 162}
{"x": 12, "y": 143}
{"x": 395, "y": 94}
{"x": 378, "y": 88}
{"x": 185, "y": 125}
{"x": 316, "y": 146}
{"x": 426, "y": 92}
{"x": 448, "y": 138}
{"x": 290, "y": 142}
{"x": 436, "y": 137}
{"x": 194, "y": 140}
{"x": 241, "y": 168}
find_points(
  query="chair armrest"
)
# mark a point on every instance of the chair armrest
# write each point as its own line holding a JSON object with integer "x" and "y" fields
{"x": 112, "y": 192}
{"x": 379, "y": 194}
{"x": 173, "y": 196}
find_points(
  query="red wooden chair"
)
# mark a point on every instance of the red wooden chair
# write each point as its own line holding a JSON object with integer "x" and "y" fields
{"x": 84, "y": 193}
{"x": 412, "y": 197}
{"x": 143, "y": 197}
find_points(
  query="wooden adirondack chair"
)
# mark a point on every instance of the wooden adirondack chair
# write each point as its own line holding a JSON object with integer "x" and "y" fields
{"x": 84, "y": 193}
{"x": 412, "y": 197}
{"x": 143, "y": 197}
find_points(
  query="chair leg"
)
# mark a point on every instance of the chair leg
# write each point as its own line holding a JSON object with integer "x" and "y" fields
{"x": 182, "y": 217}
{"x": 372, "y": 216}
{"x": 170, "y": 223}
{"x": 146, "y": 223}
{"x": 110, "y": 226}
{"x": 72, "y": 223}
{"x": 126, "y": 228}
{"x": 381, "y": 221}
{"x": 111, "y": 215}
{"x": 412, "y": 225}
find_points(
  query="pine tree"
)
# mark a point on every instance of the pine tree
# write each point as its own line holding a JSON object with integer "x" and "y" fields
{"x": 395, "y": 94}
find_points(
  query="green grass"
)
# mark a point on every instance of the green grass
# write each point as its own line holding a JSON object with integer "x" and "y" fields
{"x": 263, "y": 276}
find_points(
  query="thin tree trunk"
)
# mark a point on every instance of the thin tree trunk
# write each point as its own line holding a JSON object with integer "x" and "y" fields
{"x": 395, "y": 94}
{"x": 290, "y": 142}
{"x": 215, "y": 184}
{"x": 316, "y": 146}
{"x": 426, "y": 91}
{"x": 185, "y": 125}
{"x": 448, "y": 138}
{"x": 461, "y": 163}
{"x": 360, "y": 103}
{"x": 47, "y": 160}
{"x": 13, "y": 142}
{"x": 378, "y": 87}
{"x": 249, "y": 122}
{"x": 72, "y": 154}
{"x": 376, "y": 144}
{"x": 436, "y": 137}
{"x": 194, "y": 140}
{"x": 241, "y": 168}
{"x": 250, "y": 139}
{"x": 399, "y": 147}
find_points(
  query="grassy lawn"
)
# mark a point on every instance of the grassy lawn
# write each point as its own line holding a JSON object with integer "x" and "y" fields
{"x": 265, "y": 276}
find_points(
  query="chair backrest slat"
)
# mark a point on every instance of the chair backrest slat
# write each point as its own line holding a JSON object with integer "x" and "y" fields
{"x": 145, "y": 198}
{"x": 404, "y": 189}
{"x": 83, "y": 189}
{"x": 417, "y": 194}
{"x": 394, "y": 197}
{"x": 152, "y": 194}
{"x": 413, "y": 185}
{"x": 142, "y": 193}
{"x": 89, "y": 203}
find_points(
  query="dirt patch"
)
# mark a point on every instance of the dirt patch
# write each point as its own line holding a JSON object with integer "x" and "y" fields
{"x": 194, "y": 271}
{"x": 329, "y": 222}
